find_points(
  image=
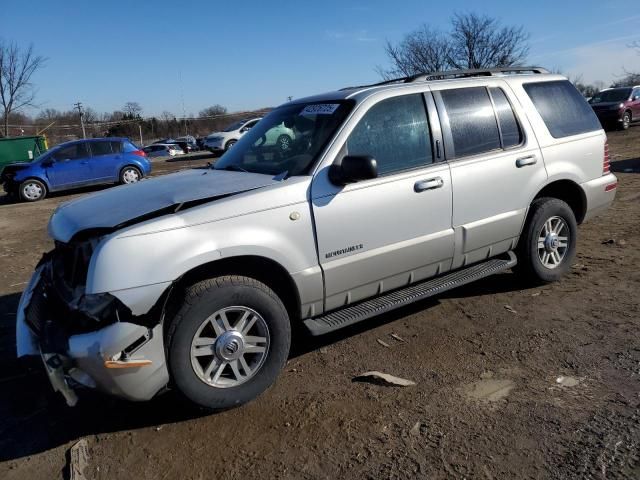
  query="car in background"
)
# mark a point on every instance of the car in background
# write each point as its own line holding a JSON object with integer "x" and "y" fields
{"x": 617, "y": 107}
{"x": 76, "y": 164}
{"x": 189, "y": 141}
{"x": 163, "y": 150}
{"x": 225, "y": 139}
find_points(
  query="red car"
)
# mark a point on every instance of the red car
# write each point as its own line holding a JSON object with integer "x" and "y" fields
{"x": 617, "y": 107}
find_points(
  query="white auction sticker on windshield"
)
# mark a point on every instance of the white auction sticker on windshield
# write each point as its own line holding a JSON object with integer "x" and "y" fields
{"x": 320, "y": 109}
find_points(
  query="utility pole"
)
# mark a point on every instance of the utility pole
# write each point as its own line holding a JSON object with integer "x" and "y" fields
{"x": 140, "y": 128}
{"x": 79, "y": 107}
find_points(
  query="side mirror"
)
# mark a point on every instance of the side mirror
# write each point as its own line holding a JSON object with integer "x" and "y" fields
{"x": 245, "y": 129}
{"x": 47, "y": 163}
{"x": 353, "y": 168}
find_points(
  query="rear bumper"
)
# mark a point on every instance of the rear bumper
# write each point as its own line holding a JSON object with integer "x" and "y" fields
{"x": 122, "y": 359}
{"x": 599, "y": 194}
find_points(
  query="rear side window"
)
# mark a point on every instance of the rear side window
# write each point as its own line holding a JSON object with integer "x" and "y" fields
{"x": 395, "y": 132}
{"x": 472, "y": 121}
{"x": 564, "y": 111}
{"x": 509, "y": 128}
{"x": 116, "y": 147}
{"x": 127, "y": 146}
{"x": 100, "y": 148}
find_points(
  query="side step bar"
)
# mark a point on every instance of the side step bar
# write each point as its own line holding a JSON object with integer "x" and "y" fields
{"x": 399, "y": 298}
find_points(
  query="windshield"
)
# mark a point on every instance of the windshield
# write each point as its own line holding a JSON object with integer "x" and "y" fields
{"x": 287, "y": 140}
{"x": 614, "y": 95}
{"x": 234, "y": 126}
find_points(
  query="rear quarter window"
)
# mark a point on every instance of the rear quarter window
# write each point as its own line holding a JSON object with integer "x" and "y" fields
{"x": 563, "y": 109}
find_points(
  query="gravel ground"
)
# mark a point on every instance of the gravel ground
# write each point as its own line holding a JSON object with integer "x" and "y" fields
{"x": 511, "y": 381}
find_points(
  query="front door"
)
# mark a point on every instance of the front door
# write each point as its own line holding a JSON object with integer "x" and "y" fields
{"x": 381, "y": 234}
{"x": 70, "y": 166}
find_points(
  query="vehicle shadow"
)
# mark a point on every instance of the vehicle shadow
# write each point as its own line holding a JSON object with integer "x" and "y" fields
{"x": 34, "y": 419}
{"x": 631, "y": 165}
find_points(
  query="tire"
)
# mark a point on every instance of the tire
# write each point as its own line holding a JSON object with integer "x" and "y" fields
{"x": 284, "y": 143}
{"x": 32, "y": 190}
{"x": 130, "y": 174}
{"x": 626, "y": 121}
{"x": 229, "y": 144}
{"x": 221, "y": 385}
{"x": 533, "y": 264}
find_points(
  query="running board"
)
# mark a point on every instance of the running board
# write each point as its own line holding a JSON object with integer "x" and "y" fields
{"x": 399, "y": 298}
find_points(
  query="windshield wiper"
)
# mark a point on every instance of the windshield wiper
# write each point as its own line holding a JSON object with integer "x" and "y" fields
{"x": 233, "y": 168}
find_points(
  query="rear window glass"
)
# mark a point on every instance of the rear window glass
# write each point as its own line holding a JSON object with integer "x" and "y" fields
{"x": 564, "y": 111}
{"x": 472, "y": 121}
{"x": 509, "y": 128}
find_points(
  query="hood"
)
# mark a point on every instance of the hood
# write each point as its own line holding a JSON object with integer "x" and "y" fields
{"x": 128, "y": 204}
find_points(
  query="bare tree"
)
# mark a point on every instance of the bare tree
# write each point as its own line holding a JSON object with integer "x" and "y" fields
{"x": 424, "y": 50}
{"x": 16, "y": 68}
{"x": 132, "y": 109}
{"x": 474, "y": 41}
{"x": 479, "y": 41}
{"x": 213, "y": 111}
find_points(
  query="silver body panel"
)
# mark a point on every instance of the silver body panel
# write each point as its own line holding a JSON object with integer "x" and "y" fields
{"x": 338, "y": 244}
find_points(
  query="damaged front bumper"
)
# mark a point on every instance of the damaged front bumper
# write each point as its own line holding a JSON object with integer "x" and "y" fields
{"x": 121, "y": 358}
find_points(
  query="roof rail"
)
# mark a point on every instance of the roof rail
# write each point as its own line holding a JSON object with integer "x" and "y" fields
{"x": 479, "y": 72}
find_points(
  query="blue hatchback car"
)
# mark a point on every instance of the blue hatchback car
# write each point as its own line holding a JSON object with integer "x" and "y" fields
{"x": 76, "y": 164}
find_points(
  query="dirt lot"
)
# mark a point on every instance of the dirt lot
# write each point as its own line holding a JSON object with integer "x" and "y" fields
{"x": 511, "y": 381}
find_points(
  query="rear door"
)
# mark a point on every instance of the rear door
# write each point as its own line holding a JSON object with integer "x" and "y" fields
{"x": 105, "y": 157}
{"x": 70, "y": 166}
{"x": 496, "y": 167}
{"x": 377, "y": 235}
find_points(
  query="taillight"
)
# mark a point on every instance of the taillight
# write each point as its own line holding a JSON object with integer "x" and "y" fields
{"x": 140, "y": 153}
{"x": 606, "y": 160}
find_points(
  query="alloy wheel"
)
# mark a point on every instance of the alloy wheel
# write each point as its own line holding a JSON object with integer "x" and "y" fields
{"x": 230, "y": 346}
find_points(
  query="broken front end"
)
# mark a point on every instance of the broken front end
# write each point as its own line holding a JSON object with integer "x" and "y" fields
{"x": 89, "y": 340}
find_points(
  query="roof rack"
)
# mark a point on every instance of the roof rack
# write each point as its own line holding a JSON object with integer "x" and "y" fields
{"x": 479, "y": 72}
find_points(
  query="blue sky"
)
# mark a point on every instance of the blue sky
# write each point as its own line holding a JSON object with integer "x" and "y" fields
{"x": 249, "y": 54}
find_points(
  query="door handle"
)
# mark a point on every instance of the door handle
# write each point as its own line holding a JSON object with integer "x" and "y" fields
{"x": 428, "y": 184}
{"x": 524, "y": 161}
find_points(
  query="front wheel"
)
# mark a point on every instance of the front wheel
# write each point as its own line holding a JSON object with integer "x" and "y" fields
{"x": 229, "y": 144}
{"x": 547, "y": 245}
{"x": 32, "y": 190}
{"x": 228, "y": 342}
{"x": 626, "y": 121}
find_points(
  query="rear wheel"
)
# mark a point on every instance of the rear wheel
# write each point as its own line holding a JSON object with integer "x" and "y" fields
{"x": 228, "y": 342}
{"x": 547, "y": 245}
{"x": 32, "y": 190}
{"x": 129, "y": 175}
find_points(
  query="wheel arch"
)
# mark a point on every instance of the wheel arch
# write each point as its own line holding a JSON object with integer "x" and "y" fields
{"x": 569, "y": 192}
{"x": 130, "y": 164}
{"x": 42, "y": 180}
{"x": 263, "y": 269}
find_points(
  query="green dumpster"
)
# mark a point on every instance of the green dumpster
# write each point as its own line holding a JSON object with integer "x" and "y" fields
{"x": 21, "y": 149}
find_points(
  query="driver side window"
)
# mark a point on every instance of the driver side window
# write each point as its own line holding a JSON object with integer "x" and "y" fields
{"x": 72, "y": 152}
{"x": 396, "y": 133}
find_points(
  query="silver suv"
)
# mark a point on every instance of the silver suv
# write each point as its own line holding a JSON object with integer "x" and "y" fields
{"x": 387, "y": 194}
